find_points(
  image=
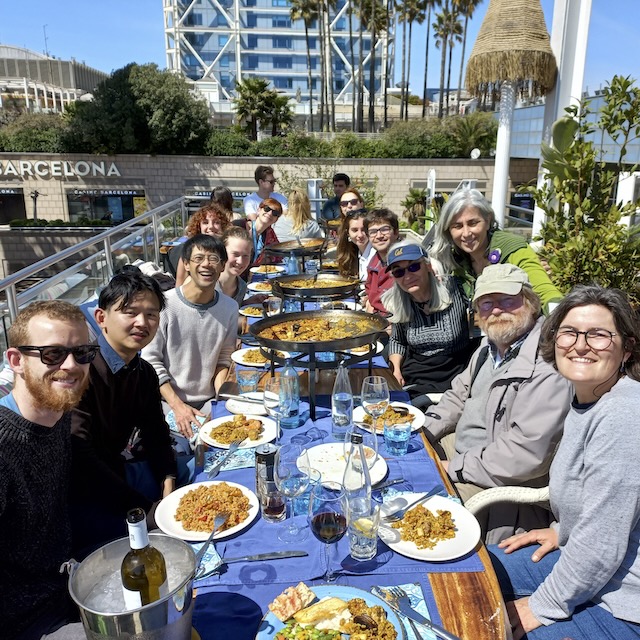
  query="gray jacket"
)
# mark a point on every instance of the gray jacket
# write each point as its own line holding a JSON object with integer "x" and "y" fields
{"x": 524, "y": 416}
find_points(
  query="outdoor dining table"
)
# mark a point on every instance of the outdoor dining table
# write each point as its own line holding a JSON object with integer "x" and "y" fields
{"x": 461, "y": 595}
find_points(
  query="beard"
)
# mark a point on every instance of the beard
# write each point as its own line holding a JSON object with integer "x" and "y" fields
{"x": 506, "y": 328}
{"x": 47, "y": 397}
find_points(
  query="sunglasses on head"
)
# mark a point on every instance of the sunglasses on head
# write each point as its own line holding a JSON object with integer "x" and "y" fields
{"x": 353, "y": 202}
{"x": 400, "y": 271}
{"x": 84, "y": 354}
{"x": 268, "y": 209}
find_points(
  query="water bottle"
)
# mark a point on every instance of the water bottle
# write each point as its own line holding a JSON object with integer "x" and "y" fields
{"x": 292, "y": 265}
{"x": 356, "y": 479}
{"x": 290, "y": 396}
{"x": 341, "y": 404}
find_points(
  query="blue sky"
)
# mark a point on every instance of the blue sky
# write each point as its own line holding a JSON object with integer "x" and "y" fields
{"x": 109, "y": 35}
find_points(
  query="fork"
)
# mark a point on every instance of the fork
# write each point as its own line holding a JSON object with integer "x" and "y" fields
{"x": 400, "y": 513}
{"x": 218, "y": 521}
{"x": 233, "y": 447}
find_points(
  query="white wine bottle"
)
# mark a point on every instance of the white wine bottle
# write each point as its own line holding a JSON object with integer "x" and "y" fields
{"x": 143, "y": 570}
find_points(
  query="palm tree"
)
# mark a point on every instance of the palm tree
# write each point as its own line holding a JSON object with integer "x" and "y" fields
{"x": 441, "y": 32}
{"x": 352, "y": 58}
{"x": 429, "y": 4}
{"x": 415, "y": 14}
{"x": 455, "y": 35}
{"x": 280, "y": 114}
{"x": 252, "y": 103}
{"x": 467, "y": 9}
{"x": 306, "y": 10}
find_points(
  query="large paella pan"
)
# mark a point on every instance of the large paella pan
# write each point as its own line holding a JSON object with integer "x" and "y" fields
{"x": 314, "y": 286}
{"x": 301, "y": 247}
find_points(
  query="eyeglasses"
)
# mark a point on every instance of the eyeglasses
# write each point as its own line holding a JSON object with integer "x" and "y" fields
{"x": 353, "y": 202}
{"x": 400, "y": 271}
{"x": 507, "y": 303}
{"x": 82, "y": 354}
{"x": 597, "y": 339}
{"x": 267, "y": 209}
{"x": 272, "y": 181}
{"x": 381, "y": 231}
{"x": 211, "y": 259}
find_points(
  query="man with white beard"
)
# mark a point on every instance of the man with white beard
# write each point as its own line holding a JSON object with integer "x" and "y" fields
{"x": 502, "y": 419}
{"x": 49, "y": 352}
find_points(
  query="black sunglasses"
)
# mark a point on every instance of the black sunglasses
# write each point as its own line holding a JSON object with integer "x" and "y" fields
{"x": 353, "y": 202}
{"x": 268, "y": 209}
{"x": 412, "y": 268}
{"x": 84, "y": 354}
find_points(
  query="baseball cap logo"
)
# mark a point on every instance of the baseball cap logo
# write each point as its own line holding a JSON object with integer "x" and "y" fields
{"x": 398, "y": 252}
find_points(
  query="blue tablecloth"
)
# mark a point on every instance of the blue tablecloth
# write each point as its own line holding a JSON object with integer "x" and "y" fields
{"x": 234, "y": 601}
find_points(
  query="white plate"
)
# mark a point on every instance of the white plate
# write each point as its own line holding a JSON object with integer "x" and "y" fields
{"x": 238, "y": 407}
{"x": 269, "y": 433}
{"x": 418, "y": 417}
{"x": 238, "y": 358}
{"x": 166, "y": 512}
{"x": 379, "y": 349}
{"x": 277, "y": 270}
{"x": 243, "y": 311}
{"x": 329, "y": 460}
{"x": 465, "y": 540}
{"x": 256, "y": 286}
{"x": 270, "y": 625}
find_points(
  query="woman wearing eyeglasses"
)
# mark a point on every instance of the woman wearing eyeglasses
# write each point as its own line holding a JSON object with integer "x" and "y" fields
{"x": 297, "y": 221}
{"x": 261, "y": 229}
{"x": 467, "y": 239}
{"x": 581, "y": 578}
{"x": 212, "y": 220}
{"x": 430, "y": 341}
{"x": 354, "y": 251}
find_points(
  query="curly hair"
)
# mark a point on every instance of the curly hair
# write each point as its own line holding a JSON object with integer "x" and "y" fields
{"x": 347, "y": 251}
{"x": 18, "y": 333}
{"x": 625, "y": 319}
{"x": 213, "y": 208}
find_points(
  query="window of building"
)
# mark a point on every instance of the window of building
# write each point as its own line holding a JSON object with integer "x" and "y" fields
{"x": 281, "y": 22}
{"x": 313, "y": 43}
{"x": 252, "y": 20}
{"x": 282, "y": 62}
{"x": 339, "y": 84}
{"x": 251, "y": 62}
{"x": 340, "y": 25}
{"x": 225, "y": 80}
{"x": 252, "y": 42}
{"x": 281, "y": 42}
{"x": 224, "y": 60}
{"x": 280, "y": 3}
{"x": 283, "y": 83}
{"x": 193, "y": 20}
{"x": 222, "y": 40}
{"x": 221, "y": 21}
{"x": 250, "y": 3}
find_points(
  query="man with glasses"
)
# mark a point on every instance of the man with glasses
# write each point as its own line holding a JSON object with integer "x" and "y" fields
{"x": 500, "y": 422}
{"x": 50, "y": 356}
{"x": 120, "y": 416}
{"x": 266, "y": 189}
{"x": 192, "y": 349}
{"x": 331, "y": 208}
{"x": 383, "y": 230}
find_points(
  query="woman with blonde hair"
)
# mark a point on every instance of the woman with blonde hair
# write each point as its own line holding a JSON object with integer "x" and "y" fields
{"x": 297, "y": 222}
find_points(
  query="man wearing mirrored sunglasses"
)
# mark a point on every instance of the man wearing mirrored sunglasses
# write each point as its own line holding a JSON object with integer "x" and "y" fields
{"x": 266, "y": 189}
{"x": 500, "y": 422}
{"x": 191, "y": 351}
{"x": 50, "y": 355}
{"x": 383, "y": 229}
{"x": 122, "y": 407}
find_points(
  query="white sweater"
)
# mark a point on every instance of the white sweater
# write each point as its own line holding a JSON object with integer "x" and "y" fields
{"x": 192, "y": 340}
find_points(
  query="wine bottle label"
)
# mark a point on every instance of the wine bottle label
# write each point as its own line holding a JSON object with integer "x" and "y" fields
{"x": 138, "y": 535}
{"x": 132, "y": 599}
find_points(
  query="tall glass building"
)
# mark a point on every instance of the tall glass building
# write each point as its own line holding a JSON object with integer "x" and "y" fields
{"x": 219, "y": 42}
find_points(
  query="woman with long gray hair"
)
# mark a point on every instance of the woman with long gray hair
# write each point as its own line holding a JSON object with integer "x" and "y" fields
{"x": 430, "y": 341}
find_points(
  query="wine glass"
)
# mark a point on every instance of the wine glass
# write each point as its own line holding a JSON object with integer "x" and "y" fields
{"x": 328, "y": 517}
{"x": 291, "y": 475}
{"x": 276, "y": 403}
{"x": 375, "y": 398}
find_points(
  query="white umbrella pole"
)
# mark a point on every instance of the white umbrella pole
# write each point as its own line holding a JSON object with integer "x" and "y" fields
{"x": 503, "y": 152}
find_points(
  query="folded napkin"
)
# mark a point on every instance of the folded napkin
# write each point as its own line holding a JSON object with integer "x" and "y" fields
{"x": 210, "y": 560}
{"x": 171, "y": 421}
{"x": 415, "y": 593}
{"x": 240, "y": 459}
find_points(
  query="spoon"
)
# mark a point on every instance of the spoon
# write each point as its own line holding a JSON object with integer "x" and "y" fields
{"x": 218, "y": 521}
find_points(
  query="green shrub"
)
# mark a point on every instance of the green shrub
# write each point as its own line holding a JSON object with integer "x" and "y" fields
{"x": 228, "y": 142}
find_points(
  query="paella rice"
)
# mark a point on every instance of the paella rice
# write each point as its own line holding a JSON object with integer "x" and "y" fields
{"x": 313, "y": 283}
{"x": 384, "y": 629}
{"x": 253, "y": 356}
{"x": 238, "y": 428}
{"x": 425, "y": 529}
{"x": 267, "y": 268}
{"x": 390, "y": 416}
{"x": 254, "y": 312}
{"x": 262, "y": 286}
{"x": 316, "y": 329}
{"x": 198, "y": 508}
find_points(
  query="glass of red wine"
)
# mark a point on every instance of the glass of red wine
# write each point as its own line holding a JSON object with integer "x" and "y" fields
{"x": 328, "y": 518}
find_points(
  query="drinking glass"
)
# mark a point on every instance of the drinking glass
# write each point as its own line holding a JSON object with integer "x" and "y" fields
{"x": 291, "y": 475}
{"x": 375, "y": 398}
{"x": 275, "y": 402}
{"x": 248, "y": 379}
{"x": 369, "y": 440}
{"x": 328, "y": 518}
{"x": 272, "y": 306}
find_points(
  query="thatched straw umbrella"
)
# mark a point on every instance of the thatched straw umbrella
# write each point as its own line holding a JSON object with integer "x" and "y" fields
{"x": 512, "y": 51}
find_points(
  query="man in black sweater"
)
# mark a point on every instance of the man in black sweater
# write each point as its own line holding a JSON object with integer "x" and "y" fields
{"x": 123, "y": 399}
{"x": 50, "y": 355}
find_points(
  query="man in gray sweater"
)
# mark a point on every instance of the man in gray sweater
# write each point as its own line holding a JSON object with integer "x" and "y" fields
{"x": 506, "y": 410}
{"x": 191, "y": 351}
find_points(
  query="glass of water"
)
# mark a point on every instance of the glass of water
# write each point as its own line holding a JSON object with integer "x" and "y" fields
{"x": 363, "y": 517}
{"x": 396, "y": 438}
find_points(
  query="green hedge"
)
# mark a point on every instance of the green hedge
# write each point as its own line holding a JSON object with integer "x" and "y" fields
{"x": 30, "y": 222}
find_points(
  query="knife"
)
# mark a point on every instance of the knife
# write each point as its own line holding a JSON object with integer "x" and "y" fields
{"x": 276, "y": 555}
{"x": 230, "y": 396}
{"x": 411, "y": 614}
{"x": 199, "y": 456}
{"x": 388, "y": 483}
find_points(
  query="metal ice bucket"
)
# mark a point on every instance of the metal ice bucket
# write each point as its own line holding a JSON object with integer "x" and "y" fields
{"x": 166, "y": 619}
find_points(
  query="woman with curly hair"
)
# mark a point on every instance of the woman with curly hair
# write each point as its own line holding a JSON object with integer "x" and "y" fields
{"x": 297, "y": 221}
{"x": 354, "y": 251}
{"x": 212, "y": 220}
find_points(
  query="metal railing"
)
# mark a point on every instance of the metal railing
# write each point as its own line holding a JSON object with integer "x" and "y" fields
{"x": 96, "y": 260}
